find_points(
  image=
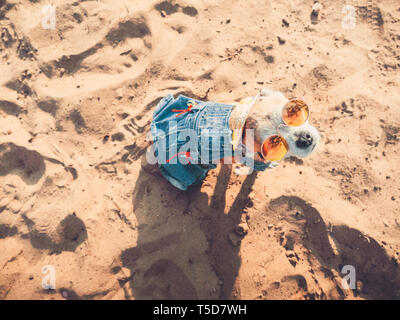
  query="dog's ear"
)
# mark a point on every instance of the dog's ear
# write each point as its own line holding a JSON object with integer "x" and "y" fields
{"x": 266, "y": 92}
{"x": 274, "y": 100}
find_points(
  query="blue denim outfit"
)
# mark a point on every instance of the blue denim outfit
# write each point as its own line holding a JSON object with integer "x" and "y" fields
{"x": 203, "y": 131}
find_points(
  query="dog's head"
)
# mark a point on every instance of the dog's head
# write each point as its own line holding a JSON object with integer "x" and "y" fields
{"x": 267, "y": 117}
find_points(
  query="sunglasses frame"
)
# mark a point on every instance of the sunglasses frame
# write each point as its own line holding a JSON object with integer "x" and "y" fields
{"x": 305, "y": 104}
{"x": 280, "y": 136}
{"x": 274, "y": 135}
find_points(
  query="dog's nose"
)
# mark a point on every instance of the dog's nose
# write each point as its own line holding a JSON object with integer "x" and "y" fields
{"x": 304, "y": 141}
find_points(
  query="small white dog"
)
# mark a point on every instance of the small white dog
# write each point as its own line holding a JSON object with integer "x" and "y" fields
{"x": 265, "y": 117}
{"x": 256, "y": 132}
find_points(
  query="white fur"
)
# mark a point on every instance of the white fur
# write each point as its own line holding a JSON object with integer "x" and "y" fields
{"x": 267, "y": 115}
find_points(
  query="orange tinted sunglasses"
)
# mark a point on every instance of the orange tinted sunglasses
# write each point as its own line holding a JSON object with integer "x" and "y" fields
{"x": 294, "y": 113}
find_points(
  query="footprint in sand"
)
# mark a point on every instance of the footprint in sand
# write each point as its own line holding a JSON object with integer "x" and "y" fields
{"x": 167, "y": 8}
{"x": 28, "y": 164}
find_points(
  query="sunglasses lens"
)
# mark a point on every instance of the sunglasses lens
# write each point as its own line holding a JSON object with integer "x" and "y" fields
{"x": 295, "y": 113}
{"x": 274, "y": 148}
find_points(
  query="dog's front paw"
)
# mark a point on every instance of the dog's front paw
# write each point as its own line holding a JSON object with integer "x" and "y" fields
{"x": 242, "y": 170}
{"x": 273, "y": 164}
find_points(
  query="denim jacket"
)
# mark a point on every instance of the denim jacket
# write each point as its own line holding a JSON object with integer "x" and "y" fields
{"x": 190, "y": 137}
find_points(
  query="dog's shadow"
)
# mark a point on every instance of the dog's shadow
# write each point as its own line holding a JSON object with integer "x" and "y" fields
{"x": 183, "y": 249}
{"x": 186, "y": 248}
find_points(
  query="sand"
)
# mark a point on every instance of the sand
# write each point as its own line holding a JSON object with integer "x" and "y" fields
{"x": 75, "y": 106}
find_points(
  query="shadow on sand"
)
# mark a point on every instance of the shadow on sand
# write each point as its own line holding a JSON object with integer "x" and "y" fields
{"x": 177, "y": 232}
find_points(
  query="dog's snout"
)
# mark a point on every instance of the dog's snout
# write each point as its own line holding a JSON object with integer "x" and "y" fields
{"x": 304, "y": 140}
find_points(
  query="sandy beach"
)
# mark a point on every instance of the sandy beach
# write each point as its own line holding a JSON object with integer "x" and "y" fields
{"x": 76, "y": 102}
